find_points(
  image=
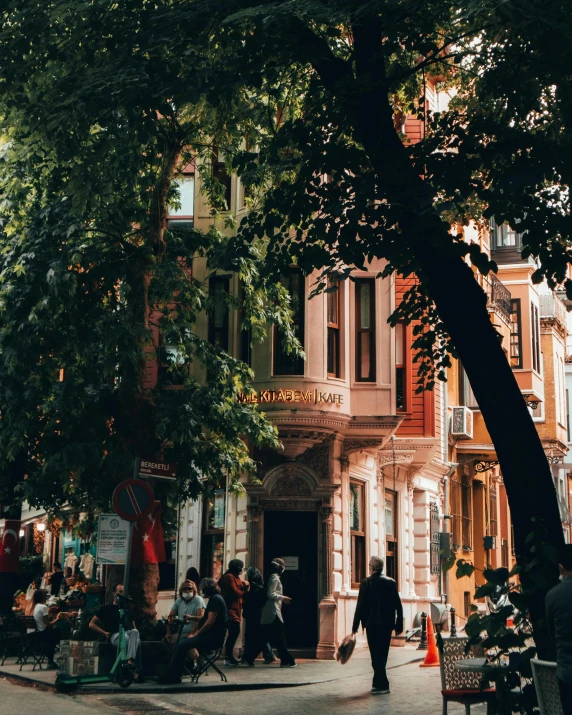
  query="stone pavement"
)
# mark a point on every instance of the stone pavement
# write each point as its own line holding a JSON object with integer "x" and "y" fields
{"x": 320, "y": 688}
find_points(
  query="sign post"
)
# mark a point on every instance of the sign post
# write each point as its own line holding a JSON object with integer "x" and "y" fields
{"x": 158, "y": 470}
{"x": 132, "y": 500}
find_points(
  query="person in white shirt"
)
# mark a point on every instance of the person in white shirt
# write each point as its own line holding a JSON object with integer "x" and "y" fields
{"x": 271, "y": 617}
{"x": 45, "y": 630}
{"x": 189, "y": 608}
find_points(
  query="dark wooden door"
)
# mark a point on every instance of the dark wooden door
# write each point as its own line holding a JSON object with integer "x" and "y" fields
{"x": 293, "y": 536}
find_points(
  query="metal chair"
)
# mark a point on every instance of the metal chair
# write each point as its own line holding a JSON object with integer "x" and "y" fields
{"x": 12, "y": 634}
{"x": 33, "y": 647}
{"x": 546, "y": 686}
{"x": 460, "y": 687}
{"x": 208, "y": 660}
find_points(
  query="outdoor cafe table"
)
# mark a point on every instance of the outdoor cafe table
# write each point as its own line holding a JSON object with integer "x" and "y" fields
{"x": 491, "y": 671}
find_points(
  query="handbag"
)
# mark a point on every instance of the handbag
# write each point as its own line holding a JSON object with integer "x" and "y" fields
{"x": 346, "y": 648}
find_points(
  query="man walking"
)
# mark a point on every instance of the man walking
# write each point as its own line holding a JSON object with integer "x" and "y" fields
{"x": 559, "y": 622}
{"x": 379, "y": 610}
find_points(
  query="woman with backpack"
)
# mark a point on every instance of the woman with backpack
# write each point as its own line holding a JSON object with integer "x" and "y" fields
{"x": 271, "y": 618}
{"x": 252, "y": 605}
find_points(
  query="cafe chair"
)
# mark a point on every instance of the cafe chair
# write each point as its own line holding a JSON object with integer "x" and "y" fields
{"x": 208, "y": 660}
{"x": 12, "y": 633}
{"x": 546, "y": 686}
{"x": 33, "y": 648}
{"x": 460, "y": 687}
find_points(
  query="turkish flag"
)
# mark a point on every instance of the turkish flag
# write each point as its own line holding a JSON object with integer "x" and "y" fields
{"x": 9, "y": 546}
{"x": 148, "y": 546}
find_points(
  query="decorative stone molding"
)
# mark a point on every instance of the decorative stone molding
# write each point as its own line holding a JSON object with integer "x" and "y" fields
{"x": 291, "y": 485}
{"x": 290, "y": 504}
{"x": 318, "y": 459}
{"x": 358, "y": 445}
{"x": 402, "y": 457}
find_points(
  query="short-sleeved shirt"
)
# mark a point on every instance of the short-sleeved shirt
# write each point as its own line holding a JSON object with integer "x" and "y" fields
{"x": 188, "y": 608}
{"x": 109, "y": 616}
{"x": 216, "y": 605}
{"x": 40, "y": 611}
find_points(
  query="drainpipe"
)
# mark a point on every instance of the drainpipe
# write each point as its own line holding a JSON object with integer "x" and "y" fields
{"x": 446, "y": 518}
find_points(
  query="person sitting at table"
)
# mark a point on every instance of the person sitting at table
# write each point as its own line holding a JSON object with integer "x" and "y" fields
{"x": 209, "y": 636}
{"x": 106, "y": 621}
{"x": 45, "y": 632}
{"x": 188, "y": 608}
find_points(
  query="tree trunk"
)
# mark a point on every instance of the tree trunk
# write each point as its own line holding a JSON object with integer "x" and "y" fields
{"x": 461, "y": 304}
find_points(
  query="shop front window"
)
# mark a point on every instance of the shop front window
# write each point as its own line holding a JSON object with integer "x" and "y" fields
{"x": 357, "y": 532}
{"x": 212, "y": 544}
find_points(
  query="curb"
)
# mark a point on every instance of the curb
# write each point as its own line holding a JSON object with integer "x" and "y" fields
{"x": 156, "y": 689}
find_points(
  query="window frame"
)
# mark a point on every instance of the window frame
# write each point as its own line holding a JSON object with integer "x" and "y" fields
{"x": 391, "y": 541}
{"x": 359, "y": 282}
{"x": 283, "y": 364}
{"x": 358, "y": 538}
{"x": 333, "y": 341}
{"x": 212, "y": 329}
{"x": 401, "y": 377}
{"x": 466, "y": 391}
{"x": 515, "y": 306}
{"x": 535, "y": 337}
{"x": 466, "y": 512}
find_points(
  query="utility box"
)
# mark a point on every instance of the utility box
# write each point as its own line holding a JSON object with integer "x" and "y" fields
{"x": 445, "y": 544}
{"x": 489, "y": 542}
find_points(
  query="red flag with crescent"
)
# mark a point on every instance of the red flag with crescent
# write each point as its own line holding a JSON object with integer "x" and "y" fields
{"x": 148, "y": 545}
{"x": 9, "y": 545}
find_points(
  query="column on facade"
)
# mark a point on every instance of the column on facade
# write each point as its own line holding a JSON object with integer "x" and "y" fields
{"x": 236, "y": 531}
{"x": 380, "y": 490}
{"x": 421, "y": 543}
{"x": 254, "y": 556}
{"x": 327, "y": 635}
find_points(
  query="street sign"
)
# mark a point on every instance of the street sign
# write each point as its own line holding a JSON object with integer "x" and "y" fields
{"x": 158, "y": 470}
{"x": 133, "y": 499}
{"x": 112, "y": 539}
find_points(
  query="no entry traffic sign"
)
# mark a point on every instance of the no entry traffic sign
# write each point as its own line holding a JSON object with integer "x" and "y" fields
{"x": 133, "y": 499}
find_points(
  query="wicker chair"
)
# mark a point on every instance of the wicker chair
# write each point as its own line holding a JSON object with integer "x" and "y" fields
{"x": 546, "y": 686}
{"x": 460, "y": 687}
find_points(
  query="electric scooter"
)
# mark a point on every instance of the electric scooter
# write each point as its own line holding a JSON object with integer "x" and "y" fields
{"x": 122, "y": 672}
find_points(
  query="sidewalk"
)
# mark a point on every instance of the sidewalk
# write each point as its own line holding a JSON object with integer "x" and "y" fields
{"x": 308, "y": 672}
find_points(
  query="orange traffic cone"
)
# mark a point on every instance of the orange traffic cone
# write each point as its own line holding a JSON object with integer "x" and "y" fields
{"x": 432, "y": 657}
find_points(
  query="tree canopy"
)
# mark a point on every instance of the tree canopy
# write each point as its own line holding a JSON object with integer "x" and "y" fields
{"x": 99, "y": 103}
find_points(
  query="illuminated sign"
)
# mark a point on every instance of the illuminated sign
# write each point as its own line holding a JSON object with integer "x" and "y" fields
{"x": 313, "y": 397}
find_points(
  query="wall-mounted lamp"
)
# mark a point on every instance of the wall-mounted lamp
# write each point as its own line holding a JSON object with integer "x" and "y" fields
{"x": 21, "y": 533}
{"x": 41, "y": 526}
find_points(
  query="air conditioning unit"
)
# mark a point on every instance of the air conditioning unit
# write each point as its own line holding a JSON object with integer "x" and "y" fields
{"x": 462, "y": 422}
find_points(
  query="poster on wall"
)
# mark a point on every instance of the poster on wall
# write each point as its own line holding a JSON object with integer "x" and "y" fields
{"x": 112, "y": 537}
{"x": 219, "y": 509}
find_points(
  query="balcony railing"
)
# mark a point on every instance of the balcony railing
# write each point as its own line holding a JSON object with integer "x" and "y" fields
{"x": 498, "y": 297}
{"x": 552, "y": 308}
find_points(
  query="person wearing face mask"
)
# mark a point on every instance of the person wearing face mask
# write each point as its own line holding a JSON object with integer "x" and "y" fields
{"x": 232, "y": 589}
{"x": 559, "y": 622}
{"x": 271, "y": 618}
{"x": 188, "y": 608}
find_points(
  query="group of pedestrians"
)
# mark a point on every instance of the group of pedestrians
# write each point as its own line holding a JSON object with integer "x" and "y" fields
{"x": 228, "y": 602}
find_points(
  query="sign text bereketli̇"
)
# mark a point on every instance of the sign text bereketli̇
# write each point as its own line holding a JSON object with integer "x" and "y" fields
{"x": 314, "y": 396}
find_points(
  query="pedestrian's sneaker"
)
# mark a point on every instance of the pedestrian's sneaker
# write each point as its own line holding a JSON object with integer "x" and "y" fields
{"x": 233, "y": 662}
{"x": 288, "y": 665}
{"x": 380, "y": 691}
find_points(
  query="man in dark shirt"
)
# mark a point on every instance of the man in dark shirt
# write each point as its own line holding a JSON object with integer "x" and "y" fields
{"x": 56, "y": 579}
{"x": 559, "y": 621}
{"x": 232, "y": 589}
{"x": 379, "y": 610}
{"x": 209, "y": 635}
{"x": 106, "y": 622}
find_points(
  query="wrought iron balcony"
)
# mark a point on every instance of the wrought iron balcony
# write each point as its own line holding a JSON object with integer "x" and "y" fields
{"x": 498, "y": 297}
